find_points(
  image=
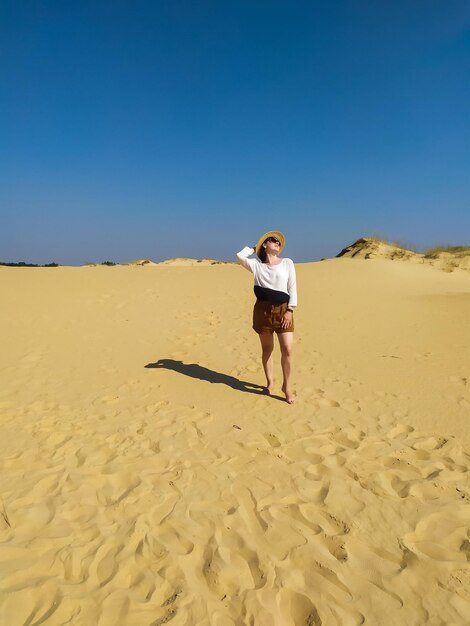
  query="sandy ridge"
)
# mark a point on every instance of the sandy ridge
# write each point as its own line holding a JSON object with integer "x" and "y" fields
{"x": 373, "y": 248}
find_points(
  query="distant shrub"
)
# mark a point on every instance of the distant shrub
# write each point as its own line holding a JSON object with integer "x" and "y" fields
{"x": 429, "y": 253}
{"x": 23, "y": 264}
{"x": 20, "y": 264}
{"x": 433, "y": 253}
{"x": 403, "y": 245}
{"x": 108, "y": 263}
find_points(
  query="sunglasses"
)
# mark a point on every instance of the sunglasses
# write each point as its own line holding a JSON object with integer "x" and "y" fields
{"x": 273, "y": 240}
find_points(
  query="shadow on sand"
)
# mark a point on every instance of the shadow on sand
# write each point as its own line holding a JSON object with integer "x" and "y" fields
{"x": 203, "y": 373}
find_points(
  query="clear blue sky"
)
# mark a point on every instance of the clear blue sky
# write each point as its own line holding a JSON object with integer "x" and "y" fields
{"x": 133, "y": 129}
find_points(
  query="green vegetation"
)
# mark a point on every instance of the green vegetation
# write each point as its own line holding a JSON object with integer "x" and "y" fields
{"x": 433, "y": 253}
{"x": 429, "y": 253}
{"x": 23, "y": 264}
{"x": 108, "y": 263}
{"x": 403, "y": 245}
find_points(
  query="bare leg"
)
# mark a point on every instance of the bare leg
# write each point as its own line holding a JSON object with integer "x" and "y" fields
{"x": 267, "y": 345}
{"x": 286, "y": 341}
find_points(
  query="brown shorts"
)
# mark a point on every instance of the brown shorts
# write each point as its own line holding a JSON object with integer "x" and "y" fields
{"x": 267, "y": 317}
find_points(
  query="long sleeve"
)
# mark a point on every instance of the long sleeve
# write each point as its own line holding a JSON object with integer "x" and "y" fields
{"x": 292, "y": 285}
{"x": 242, "y": 258}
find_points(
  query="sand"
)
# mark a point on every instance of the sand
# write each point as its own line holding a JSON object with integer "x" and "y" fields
{"x": 146, "y": 480}
{"x": 448, "y": 259}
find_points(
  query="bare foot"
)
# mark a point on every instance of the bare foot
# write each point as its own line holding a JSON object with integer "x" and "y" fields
{"x": 289, "y": 397}
{"x": 268, "y": 389}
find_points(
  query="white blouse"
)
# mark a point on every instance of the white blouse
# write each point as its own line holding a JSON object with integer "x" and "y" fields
{"x": 280, "y": 277}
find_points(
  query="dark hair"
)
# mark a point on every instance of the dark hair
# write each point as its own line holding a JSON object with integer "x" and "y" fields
{"x": 262, "y": 253}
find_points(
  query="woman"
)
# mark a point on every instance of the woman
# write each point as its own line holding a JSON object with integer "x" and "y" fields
{"x": 276, "y": 297}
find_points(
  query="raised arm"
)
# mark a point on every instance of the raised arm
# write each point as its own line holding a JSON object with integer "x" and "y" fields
{"x": 242, "y": 258}
{"x": 292, "y": 285}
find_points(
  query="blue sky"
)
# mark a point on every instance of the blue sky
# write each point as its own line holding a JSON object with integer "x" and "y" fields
{"x": 163, "y": 129}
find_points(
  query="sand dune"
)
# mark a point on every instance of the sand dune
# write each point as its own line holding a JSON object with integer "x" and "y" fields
{"x": 187, "y": 262}
{"x": 143, "y": 262}
{"x": 176, "y": 262}
{"x": 147, "y": 480}
{"x": 449, "y": 259}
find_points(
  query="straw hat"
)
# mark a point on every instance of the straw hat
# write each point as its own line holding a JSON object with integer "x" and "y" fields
{"x": 271, "y": 233}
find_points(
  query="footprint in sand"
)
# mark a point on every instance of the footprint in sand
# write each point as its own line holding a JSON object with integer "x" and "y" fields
{"x": 199, "y": 432}
{"x": 458, "y": 580}
{"x": 272, "y": 440}
{"x": 322, "y": 401}
{"x": 297, "y": 608}
{"x": 343, "y": 440}
{"x": 461, "y": 380}
{"x": 327, "y": 402}
{"x": 352, "y": 405}
{"x": 336, "y": 547}
{"x": 139, "y": 427}
{"x": 106, "y": 400}
{"x": 104, "y": 566}
{"x": 31, "y": 359}
{"x": 400, "y": 431}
